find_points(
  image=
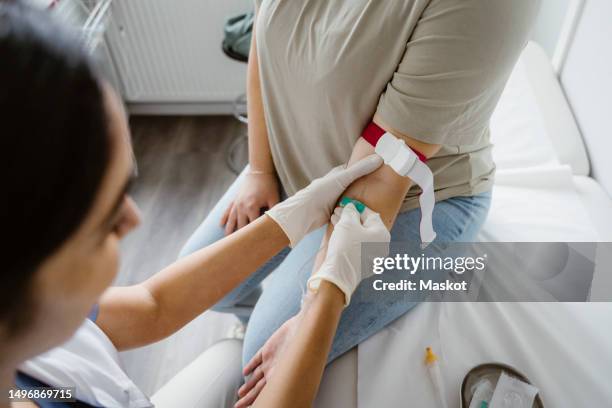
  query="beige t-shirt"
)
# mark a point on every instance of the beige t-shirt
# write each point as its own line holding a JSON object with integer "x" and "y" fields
{"x": 432, "y": 69}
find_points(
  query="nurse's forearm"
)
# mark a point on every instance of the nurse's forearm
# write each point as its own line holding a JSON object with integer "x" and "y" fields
{"x": 260, "y": 157}
{"x": 142, "y": 314}
{"x": 298, "y": 372}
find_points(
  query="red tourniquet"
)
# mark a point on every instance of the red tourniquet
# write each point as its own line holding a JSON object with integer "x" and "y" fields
{"x": 372, "y": 133}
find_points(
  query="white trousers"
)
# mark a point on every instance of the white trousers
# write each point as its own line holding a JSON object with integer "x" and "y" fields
{"x": 210, "y": 381}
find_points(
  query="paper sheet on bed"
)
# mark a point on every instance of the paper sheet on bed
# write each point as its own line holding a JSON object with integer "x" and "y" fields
{"x": 537, "y": 205}
{"x": 544, "y": 340}
{"x": 518, "y": 132}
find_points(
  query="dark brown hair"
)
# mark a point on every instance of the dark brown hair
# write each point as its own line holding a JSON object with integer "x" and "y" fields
{"x": 55, "y": 143}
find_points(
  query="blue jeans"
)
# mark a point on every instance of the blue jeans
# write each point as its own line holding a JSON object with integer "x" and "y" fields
{"x": 455, "y": 220}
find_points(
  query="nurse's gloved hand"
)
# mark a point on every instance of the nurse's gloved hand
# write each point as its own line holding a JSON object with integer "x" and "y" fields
{"x": 311, "y": 207}
{"x": 342, "y": 265}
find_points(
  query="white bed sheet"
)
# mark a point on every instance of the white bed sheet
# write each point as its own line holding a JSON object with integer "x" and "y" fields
{"x": 537, "y": 204}
{"x": 518, "y": 131}
{"x": 533, "y": 123}
{"x": 563, "y": 348}
{"x": 598, "y": 205}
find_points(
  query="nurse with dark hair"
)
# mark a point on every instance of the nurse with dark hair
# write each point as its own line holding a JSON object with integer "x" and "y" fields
{"x": 67, "y": 166}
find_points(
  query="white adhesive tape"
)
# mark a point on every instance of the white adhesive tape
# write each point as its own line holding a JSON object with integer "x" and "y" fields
{"x": 406, "y": 163}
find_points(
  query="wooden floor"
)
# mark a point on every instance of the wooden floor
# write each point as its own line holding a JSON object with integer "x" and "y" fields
{"x": 182, "y": 173}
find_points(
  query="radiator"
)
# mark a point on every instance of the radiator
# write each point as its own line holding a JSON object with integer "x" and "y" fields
{"x": 169, "y": 52}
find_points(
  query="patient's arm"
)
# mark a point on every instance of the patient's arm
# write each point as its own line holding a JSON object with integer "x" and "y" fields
{"x": 383, "y": 190}
{"x": 260, "y": 187}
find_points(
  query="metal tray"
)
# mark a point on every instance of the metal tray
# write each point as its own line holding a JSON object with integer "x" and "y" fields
{"x": 492, "y": 372}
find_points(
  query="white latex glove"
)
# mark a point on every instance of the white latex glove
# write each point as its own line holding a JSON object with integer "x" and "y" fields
{"x": 342, "y": 265}
{"x": 311, "y": 207}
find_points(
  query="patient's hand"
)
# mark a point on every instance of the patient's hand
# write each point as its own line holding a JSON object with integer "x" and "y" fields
{"x": 257, "y": 192}
{"x": 261, "y": 367}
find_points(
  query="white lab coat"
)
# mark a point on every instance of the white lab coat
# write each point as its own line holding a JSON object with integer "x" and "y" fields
{"x": 90, "y": 362}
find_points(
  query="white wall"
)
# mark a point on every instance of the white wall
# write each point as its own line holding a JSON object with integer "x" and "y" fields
{"x": 548, "y": 26}
{"x": 587, "y": 81}
{"x": 586, "y": 76}
{"x": 168, "y": 55}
